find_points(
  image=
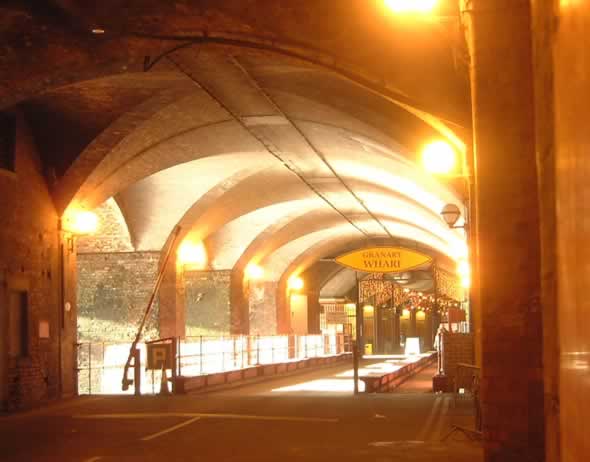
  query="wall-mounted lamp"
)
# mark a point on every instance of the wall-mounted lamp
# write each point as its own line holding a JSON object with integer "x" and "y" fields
{"x": 78, "y": 223}
{"x": 254, "y": 272}
{"x": 439, "y": 157}
{"x": 411, "y": 6}
{"x": 295, "y": 283}
{"x": 192, "y": 253}
{"x": 451, "y": 214}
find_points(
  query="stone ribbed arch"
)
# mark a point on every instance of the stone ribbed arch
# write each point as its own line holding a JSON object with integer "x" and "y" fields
{"x": 90, "y": 158}
{"x": 130, "y": 156}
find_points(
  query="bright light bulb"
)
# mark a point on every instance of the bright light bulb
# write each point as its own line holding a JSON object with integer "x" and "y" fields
{"x": 192, "y": 253}
{"x": 411, "y": 6}
{"x": 463, "y": 268}
{"x": 466, "y": 281}
{"x": 439, "y": 157}
{"x": 368, "y": 309}
{"x": 405, "y": 313}
{"x": 254, "y": 271}
{"x": 295, "y": 283}
{"x": 81, "y": 222}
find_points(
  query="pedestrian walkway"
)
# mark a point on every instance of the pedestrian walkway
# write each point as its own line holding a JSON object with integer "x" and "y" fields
{"x": 419, "y": 383}
{"x": 254, "y": 423}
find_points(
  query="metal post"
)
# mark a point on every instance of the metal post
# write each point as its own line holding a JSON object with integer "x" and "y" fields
{"x": 179, "y": 357}
{"x": 137, "y": 371}
{"x": 103, "y": 368}
{"x": 355, "y": 366}
{"x": 222, "y": 355}
{"x": 359, "y": 316}
{"x": 176, "y": 345}
{"x": 201, "y": 354}
{"x": 257, "y": 349}
{"x": 89, "y": 368}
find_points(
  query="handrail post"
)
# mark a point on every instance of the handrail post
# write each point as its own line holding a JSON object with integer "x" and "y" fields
{"x": 201, "y": 354}
{"x": 258, "y": 350}
{"x": 89, "y": 368}
{"x": 137, "y": 371}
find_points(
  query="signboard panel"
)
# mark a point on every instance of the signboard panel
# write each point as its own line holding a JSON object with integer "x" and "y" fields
{"x": 159, "y": 354}
{"x": 383, "y": 259}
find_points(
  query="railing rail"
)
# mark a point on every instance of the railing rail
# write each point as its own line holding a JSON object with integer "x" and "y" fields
{"x": 100, "y": 364}
{"x": 467, "y": 382}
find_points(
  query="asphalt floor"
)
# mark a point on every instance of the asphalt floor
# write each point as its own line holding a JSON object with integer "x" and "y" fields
{"x": 285, "y": 419}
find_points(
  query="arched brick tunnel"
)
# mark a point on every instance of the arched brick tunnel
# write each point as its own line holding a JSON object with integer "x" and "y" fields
{"x": 281, "y": 135}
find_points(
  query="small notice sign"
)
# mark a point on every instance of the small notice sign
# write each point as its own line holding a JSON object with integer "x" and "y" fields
{"x": 383, "y": 259}
{"x": 160, "y": 354}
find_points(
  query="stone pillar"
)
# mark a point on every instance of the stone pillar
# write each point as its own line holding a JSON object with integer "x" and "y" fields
{"x": 507, "y": 229}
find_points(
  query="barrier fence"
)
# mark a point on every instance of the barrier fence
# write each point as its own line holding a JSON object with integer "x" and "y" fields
{"x": 101, "y": 364}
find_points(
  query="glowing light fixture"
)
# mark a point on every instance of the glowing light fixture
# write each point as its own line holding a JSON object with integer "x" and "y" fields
{"x": 466, "y": 281}
{"x": 192, "y": 253}
{"x": 406, "y": 314}
{"x": 81, "y": 222}
{"x": 254, "y": 271}
{"x": 420, "y": 316}
{"x": 295, "y": 283}
{"x": 463, "y": 268}
{"x": 368, "y": 309}
{"x": 410, "y": 6}
{"x": 439, "y": 157}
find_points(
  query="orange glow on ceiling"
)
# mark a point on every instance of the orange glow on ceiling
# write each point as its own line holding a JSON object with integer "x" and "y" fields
{"x": 411, "y": 6}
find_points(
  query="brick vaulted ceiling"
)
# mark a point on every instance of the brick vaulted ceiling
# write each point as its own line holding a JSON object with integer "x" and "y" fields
{"x": 261, "y": 128}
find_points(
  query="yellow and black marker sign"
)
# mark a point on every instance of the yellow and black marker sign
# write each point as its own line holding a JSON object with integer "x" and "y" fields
{"x": 383, "y": 259}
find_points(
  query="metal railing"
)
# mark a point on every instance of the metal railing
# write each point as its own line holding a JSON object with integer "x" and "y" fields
{"x": 467, "y": 382}
{"x": 100, "y": 364}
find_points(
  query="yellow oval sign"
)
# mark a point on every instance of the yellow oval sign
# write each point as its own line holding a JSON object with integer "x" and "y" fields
{"x": 383, "y": 259}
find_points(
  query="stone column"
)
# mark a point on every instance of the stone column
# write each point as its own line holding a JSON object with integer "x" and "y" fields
{"x": 507, "y": 229}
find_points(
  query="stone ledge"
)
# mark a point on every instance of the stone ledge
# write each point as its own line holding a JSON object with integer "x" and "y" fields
{"x": 390, "y": 381}
{"x": 209, "y": 382}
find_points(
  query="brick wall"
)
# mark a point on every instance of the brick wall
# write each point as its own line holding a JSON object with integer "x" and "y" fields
{"x": 29, "y": 261}
{"x": 113, "y": 291}
{"x": 263, "y": 308}
{"x": 458, "y": 348}
{"x": 207, "y": 298}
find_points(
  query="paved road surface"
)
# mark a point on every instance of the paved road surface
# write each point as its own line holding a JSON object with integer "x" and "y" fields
{"x": 270, "y": 421}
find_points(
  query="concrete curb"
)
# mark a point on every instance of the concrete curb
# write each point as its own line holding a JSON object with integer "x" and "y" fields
{"x": 389, "y": 382}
